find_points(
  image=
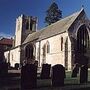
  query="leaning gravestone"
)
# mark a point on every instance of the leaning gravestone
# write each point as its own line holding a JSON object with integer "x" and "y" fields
{"x": 84, "y": 74}
{"x": 28, "y": 77}
{"x": 58, "y": 75}
{"x": 45, "y": 72}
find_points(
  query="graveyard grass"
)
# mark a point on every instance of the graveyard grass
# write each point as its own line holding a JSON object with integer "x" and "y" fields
{"x": 45, "y": 84}
{"x": 70, "y": 83}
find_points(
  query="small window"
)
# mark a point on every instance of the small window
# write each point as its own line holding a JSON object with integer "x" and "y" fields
{"x": 61, "y": 43}
{"x": 44, "y": 50}
{"x": 48, "y": 47}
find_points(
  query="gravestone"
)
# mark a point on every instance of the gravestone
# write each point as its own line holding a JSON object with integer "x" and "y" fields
{"x": 84, "y": 74}
{"x": 75, "y": 70}
{"x": 64, "y": 73}
{"x": 16, "y": 66}
{"x": 28, "y": 77}
{"x": 45, "y": 72}
{"x": 3, "y": 70}
{"x": 84, "y": 69}
{"x": 36, "y": 63}
{"x": 9, "y": 65}
{"x": 58, "y": 75}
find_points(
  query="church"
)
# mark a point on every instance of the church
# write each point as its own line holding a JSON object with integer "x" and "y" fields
{"x": 58, "y": 43}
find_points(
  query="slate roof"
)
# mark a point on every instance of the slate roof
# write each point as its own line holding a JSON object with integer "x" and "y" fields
{"x": 6, "y": 41}
{"x": 56, "y": 28}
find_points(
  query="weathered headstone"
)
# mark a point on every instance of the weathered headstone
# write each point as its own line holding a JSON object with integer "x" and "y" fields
{"x": 58, "y": 75}
{"x": 36, "y": 63}
{"x": 3, "y": 69}
{"x": 17, "y": 66}
{"x": 75, "y": 70}
{"x": 84, "y": 74}
{"x": 45, "y": 72}
{"x": 84, "y": 69}
{"x": 9, "y": 65}
{"x": 28, "y": 77}
{"x": 64, "y": 73}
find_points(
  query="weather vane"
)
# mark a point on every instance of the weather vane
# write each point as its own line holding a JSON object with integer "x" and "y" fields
{"x": 82, "y": 6}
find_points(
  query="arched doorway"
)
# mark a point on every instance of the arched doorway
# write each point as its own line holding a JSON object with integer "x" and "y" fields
{"x": 29, "y": 49}
{"x": 82, "y": 43}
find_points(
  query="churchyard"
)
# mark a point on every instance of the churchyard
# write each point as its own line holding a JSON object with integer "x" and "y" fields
{"x": 14, "y": 80}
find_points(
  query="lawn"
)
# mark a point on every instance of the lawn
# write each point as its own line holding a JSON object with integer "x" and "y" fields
{"x": 67, "y": 81}
{"x": 45, "y": 84}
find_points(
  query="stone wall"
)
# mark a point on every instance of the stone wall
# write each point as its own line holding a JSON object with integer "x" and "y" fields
{"x": 56, "y": 55}
{"x": 13, "y": 56}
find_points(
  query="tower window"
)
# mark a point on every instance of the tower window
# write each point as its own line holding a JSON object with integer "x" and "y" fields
{"x": 31, "y": 26}
{"x": 27, "y": 25}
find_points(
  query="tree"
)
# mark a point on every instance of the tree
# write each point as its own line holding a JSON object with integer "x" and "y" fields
{"x": 53, "y": 14}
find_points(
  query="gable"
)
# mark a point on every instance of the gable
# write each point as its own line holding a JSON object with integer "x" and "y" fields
{"x": 80, "y": 20}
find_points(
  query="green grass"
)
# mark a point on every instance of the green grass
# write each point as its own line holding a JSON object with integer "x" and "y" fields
{"x": 69, "y": 80}
{"x": 45, "y": 84}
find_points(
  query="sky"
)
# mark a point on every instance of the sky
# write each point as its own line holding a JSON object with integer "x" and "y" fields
{"x": 11, "y": 9}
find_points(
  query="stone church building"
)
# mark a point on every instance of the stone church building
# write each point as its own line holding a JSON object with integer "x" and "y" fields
{"x": 59, "y": 43}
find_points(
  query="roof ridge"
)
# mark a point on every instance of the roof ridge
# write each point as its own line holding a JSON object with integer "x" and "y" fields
{"x": 78, "y": 12}
{"x": 55, "y": 28}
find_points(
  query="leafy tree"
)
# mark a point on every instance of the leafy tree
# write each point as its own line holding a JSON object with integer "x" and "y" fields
{"x": 53, "y": 14}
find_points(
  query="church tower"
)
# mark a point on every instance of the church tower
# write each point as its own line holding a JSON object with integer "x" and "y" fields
{"x": 24, "y": 25}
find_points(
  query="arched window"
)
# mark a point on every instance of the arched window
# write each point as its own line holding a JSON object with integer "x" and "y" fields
{"x": 48, "y": 47}
{"x": 44, "y": 50}
{"x": 61, "y": 43}
{"x": 44, "y": 54}
{"x": 82, "y": 39}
